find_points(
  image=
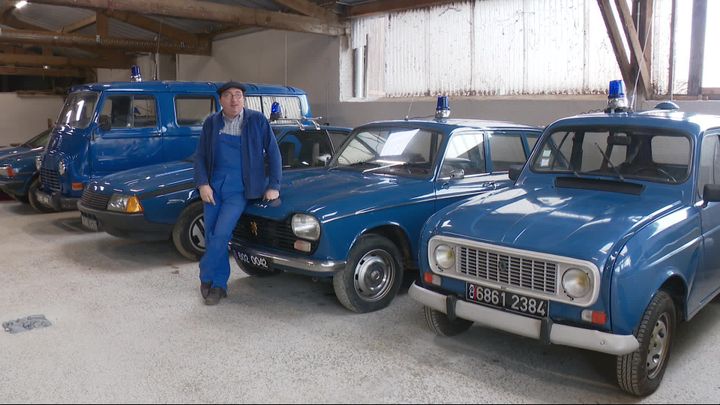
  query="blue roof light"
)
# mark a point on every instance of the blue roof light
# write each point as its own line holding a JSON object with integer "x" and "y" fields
{"x": 275, "y": 111}
{"x": 135, "y": 74}
{"x": 617, "y": 102}
{"x": 443, "y": 107}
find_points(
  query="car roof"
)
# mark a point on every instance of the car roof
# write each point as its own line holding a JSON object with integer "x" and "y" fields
{"x": 252, "y": 88}
{"x": 452, "y": 124}
{"x": 309, "y": 127}
{"x": 692, "y": 123}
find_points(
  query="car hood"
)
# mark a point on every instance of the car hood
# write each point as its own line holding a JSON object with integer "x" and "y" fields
{"x": 13, "y": 150}
{"x": 568, "y": 222}
{"x": 331, "y": 194}
{"x": 150, "y": 178}
{"x": 21, "y": 156}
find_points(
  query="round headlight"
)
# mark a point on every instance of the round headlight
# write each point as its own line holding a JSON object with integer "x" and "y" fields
{"x": 61, "y": 168}
{"x": 38, "y": 162}
{"x": 306, "y": 226}
{"x": 444, "y": 256}
{"x": 576, "y": 283}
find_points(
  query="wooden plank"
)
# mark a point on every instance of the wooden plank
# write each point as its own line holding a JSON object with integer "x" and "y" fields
{"x": 207, "y": 11}
{"x": 385, "y": 6}
{"x": 152, "y": 25}
{"x": 29, "y": 71}
{"x": 102, "y": 26}
{"x": 697, "y": 47}
{"x": 714, "y": 91}
{"x": 617, "y": 43}
{"x": 78, "y": 25}
{"x": 636, "y": 50}
{"x": 62, "y": 61}
{"x": 307, "y": 8}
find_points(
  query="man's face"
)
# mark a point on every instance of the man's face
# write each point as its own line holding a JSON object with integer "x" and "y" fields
{"x": 232, "y": 102}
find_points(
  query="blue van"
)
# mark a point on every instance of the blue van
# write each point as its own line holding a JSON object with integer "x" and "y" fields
{"x": 18, "y": 175}
{"x": 606, "y": 242}
{"x": 106, "y": 128}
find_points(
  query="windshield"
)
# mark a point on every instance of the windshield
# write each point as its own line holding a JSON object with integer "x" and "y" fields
{"x": 646, "y": 154}
{"x": 78, "y": 110}
{"x": 39, "y": 140}
{"x": 394, "y": 150}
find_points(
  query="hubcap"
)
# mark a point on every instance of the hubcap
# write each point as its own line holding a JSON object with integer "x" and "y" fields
{"x": 197, "y": 233}
{"x": 374, "y": 275}
{"x": 658, "y": 348}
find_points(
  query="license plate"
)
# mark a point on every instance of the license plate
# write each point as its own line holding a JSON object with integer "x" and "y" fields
{"x": 44, "y": 199}
{"x": 506, "y": 300}
{"x": 261, "y": 262}
{"x": 89, "y": 222}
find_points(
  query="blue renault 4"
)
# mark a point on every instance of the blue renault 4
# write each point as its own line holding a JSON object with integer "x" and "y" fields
{"x": 18, "y": 175}
{"x": 160, "y": 202}
{"x": 107, "y": 128}
{"x": 358, "y": 220}
{"x": 605, "y": 243}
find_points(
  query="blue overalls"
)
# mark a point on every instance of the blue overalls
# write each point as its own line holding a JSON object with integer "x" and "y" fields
{"x": 220, "y": 219}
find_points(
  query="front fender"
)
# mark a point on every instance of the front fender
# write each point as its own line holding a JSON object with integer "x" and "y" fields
{"x": 666, "y": 248}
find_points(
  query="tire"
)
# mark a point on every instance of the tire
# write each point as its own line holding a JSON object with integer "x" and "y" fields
{"x": 188, "y": 235}
{"x": 640, "y": 372}
{"x": 32, "y": 199}
{"x": 372, "y": 277}
{"x": 442, "y": 326}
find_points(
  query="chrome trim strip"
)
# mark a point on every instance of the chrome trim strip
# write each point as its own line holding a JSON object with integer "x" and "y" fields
{"x": 304, "y": 264}
{"x": 529, "y": 327}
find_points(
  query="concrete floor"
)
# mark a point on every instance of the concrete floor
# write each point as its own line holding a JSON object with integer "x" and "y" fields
{"x": 128, "y": 325}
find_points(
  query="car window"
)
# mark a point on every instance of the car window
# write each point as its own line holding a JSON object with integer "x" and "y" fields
{"x": 192, "y": 110}
{"x": 78, "y": 110}
{"x": 337, "y": 138}
{"x": 130, "y": 111}
{"x": 305, "y": 149}
{"x": 709, "y": 163}
{"x": 506, "y": 150}
{"x": 466, "y": 152}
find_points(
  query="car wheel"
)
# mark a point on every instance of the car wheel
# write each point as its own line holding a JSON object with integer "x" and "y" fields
{"x": 188, "y": 235}
{"x": 442, "y": 325}
{"x": 32, "y": 198}
{"x": 372, "y": 276}
{"x": 640, "y": 372}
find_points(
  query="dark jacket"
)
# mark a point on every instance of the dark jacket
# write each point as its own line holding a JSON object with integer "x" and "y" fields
{"x": 258, "y": 145}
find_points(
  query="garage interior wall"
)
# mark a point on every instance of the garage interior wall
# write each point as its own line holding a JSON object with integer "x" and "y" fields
{"x": 24, "y": 116}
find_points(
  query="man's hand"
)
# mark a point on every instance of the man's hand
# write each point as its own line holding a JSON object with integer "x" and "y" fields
{"x": 271, "y": 195}
{"x": 206, "y": 194}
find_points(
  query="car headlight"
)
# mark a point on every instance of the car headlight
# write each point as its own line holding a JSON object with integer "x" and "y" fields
{"x": 38, "y": 162}
{"x": 306, "y": 226}
{"x": 61, "y": 168}
{"x": 444, "y": 256}
{"x": 576, "y": 283}
{"x": 124, "y": 203}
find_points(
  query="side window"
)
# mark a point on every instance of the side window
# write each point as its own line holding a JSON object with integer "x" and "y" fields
{"x": 130, "y": 111}
{"x": 506, "y": 150}
{"x": 192, "y": 110}
{"x": 255, "y": 103}
{"x": 305, "y": 149}
{"x": 532, "y": 141}
{"x": 337, "y": 138}
{"x": 709, "y": 163}
{"x": 464, "y": 152}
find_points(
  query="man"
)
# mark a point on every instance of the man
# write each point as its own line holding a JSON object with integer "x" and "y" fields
{"x": 235, "y": 146}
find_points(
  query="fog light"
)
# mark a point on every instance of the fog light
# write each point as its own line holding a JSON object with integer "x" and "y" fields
{"x": 302, "y": 245}
{"x": 594, "y": 317}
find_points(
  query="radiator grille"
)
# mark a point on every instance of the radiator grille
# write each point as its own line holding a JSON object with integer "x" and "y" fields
{"x": 262, "y": 231}
{"x": 94, "y": 200}
{"x": 50, "y": 179}
{"x": 517, "y": 271}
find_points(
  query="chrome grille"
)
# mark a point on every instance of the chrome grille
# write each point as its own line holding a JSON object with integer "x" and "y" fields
{"x": 267, "y": 233}
{"x": 50, "y": 179}
{"x": 517, "y": 271}
{"x": 94, "y": 200}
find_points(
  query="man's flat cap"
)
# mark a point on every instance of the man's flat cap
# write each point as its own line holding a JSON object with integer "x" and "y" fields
{"x": 231, "y": 85}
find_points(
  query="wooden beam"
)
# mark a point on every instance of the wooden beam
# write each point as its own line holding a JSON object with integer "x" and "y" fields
{"x": 27, "y": 71}
{"x": 102, "y": 27}
{"x": 617, "y": 43}
{"x": 8, "y": 18}
{"x": 385, "y": 6}
{"x": 78, "y": 25}
{"x": 637, "y": 55}
{"x": 62, "y": 61}
{"x": 99, "y": 42}
{"x": 697, "y": 47}
{"x": 307, "y": 8}
{"x": 207, "y": 11}
{"x": 153, "y": 26}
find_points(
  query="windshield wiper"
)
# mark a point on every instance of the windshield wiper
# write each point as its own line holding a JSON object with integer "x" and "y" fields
{"x": 612, "y": 166}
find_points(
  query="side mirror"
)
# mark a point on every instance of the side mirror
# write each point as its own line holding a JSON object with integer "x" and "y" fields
{"x": 711, "y": 193}
{"x": 104, "y": 122}
{"x": 514, "y": 172}
{"x": 457, "y": 174}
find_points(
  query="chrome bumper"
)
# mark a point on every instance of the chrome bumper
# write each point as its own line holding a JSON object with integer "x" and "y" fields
{"x": 286, "y": 261}
{"x": 529, "y": 327}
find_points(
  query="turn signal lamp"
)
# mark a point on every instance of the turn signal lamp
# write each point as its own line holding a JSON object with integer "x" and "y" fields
{"x": 78, "y": 187}
{"x": 133, "y": 205}
{"x": 275, "y": 111}
{"x": 135, "y": 74}
{"x": 443, "y": 107}
{"x": 7, "y": 171}
{"x": 430, "y": 278}
{"x": 594, "y": 317}
{"x": 302, "y": 245}
{"x": 617, "y": 102}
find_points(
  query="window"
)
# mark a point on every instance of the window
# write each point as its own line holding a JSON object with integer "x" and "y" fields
{"x": 130, "y": 111}
{"x": 465, "y": 152}
{"x": 78, "y": 110}
{"x": 305, "y": 149}
{"x": 291, "y": 106}
{"x": 338, "y": 138}
{"x": 192, "y": 110}
{"x": 709, "y": 163}
{"x": 506, "y": 150}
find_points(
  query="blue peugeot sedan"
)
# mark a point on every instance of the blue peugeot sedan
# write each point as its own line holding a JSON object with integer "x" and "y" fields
{"x": 160, "y": 202}
{"x": 358, "y": 220}
{"x": 18, "y": 174}
{"x": 605, "y": 243}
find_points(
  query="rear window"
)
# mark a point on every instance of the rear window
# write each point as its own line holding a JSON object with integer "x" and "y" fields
{"x": 291, "y": 106}
{"x": 192, "y": 110}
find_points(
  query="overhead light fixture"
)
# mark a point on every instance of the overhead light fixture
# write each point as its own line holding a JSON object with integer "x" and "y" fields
{"x": 46, "y": 67}
{"x": 20, "y": 4}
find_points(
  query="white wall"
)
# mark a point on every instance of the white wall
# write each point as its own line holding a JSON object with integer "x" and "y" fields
{"x": 22, "y": 117}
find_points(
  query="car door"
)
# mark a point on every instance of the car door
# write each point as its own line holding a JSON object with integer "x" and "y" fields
{"x": 707, "y": 281}
{"x": 184, "y": 127}
{"x": 131, "y": 136}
